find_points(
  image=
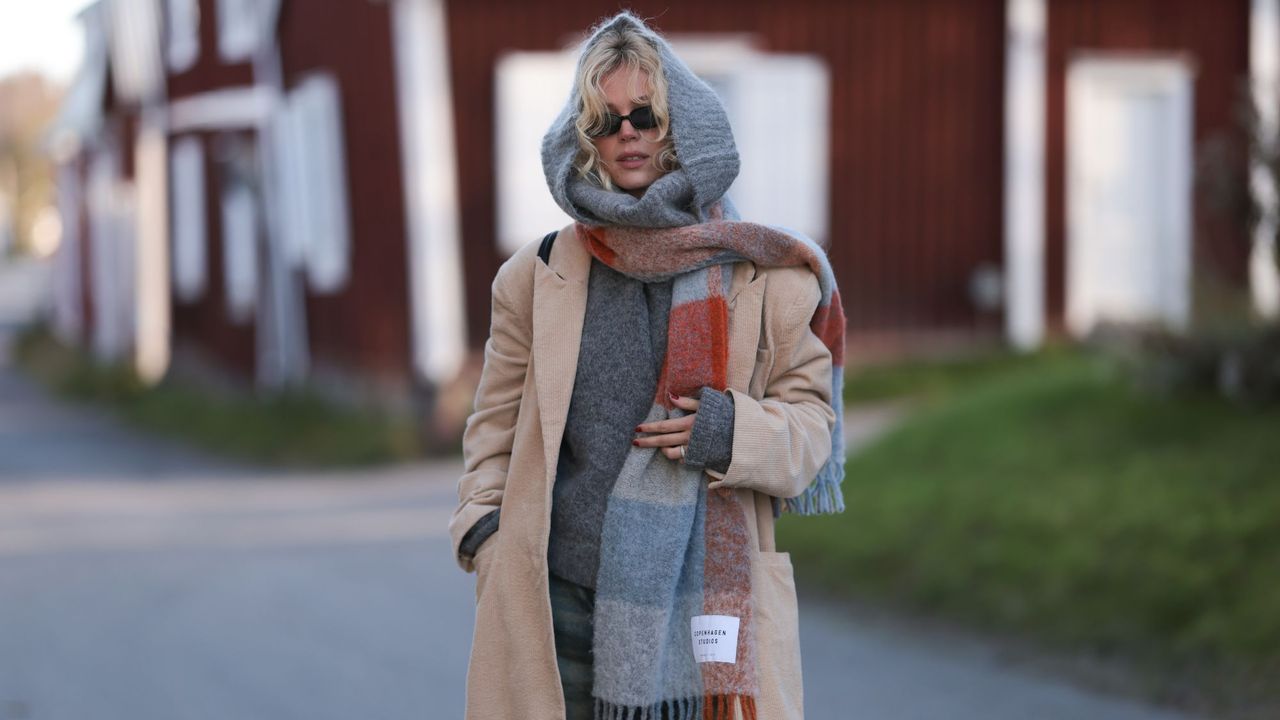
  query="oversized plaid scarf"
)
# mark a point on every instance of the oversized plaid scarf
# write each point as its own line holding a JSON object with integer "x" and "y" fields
{"x": 670, "y": 548}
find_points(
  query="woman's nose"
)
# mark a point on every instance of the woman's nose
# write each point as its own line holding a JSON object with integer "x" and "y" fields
{"x": 628, "y": 130}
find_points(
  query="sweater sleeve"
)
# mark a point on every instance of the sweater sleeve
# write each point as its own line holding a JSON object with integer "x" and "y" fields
{"x": 479, "y": 532}
{"x": 711, "y": 438}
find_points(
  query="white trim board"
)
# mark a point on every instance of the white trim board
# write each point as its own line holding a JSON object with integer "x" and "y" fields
{"x": 152, "y": 318}
{"x": 230, "y": 108}
{"x": 429, "y": 163}
{"x": 1024, "y": 163}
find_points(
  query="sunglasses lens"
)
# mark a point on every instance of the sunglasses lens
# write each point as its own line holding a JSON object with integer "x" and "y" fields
{"x": 642, "y": 118}
{"x": 610, "y": 124}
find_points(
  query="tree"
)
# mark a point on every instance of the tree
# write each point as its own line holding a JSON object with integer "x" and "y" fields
{"x": 28, "y": 104}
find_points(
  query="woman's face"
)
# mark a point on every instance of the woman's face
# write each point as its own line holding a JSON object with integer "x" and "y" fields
{"x": 630, "y": 156}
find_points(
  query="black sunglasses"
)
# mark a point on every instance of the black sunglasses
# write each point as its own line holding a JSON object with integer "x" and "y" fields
{"x": 641, "y": 119}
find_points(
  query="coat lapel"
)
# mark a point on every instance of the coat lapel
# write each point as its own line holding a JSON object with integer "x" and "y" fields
{"x": 745, "y": 297}
{"x": 559, "y": 308}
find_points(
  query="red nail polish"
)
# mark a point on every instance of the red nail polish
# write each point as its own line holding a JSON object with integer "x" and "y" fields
{"x": 635, "y": 442}
{"x": 637, "y": 428}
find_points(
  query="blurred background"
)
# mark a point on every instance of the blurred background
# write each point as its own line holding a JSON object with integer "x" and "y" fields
{"x": 246, "y": 249}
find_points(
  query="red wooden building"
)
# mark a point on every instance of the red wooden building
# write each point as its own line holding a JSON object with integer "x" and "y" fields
{"x": 339, "y": 180}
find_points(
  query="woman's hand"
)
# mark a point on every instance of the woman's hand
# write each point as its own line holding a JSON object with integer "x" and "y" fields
{"x": 673, "y": 433}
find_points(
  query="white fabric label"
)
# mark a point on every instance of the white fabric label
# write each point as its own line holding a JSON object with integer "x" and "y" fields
{"x": 715, "y": 638}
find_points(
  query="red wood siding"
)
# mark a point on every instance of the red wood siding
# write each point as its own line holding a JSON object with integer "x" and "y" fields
{"x": 917, "y": 136}
{"x": 84, "y": 266}
{"x": 1216, "y": 37}
{"x": 365, "y": 326}
{"x": 209, "y": 71}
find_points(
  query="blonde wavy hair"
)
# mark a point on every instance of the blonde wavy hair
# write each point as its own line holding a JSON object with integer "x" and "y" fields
{"x": 619, "y": 48}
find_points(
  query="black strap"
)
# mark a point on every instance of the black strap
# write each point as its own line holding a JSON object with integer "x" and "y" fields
{"x": 544, "y": 251}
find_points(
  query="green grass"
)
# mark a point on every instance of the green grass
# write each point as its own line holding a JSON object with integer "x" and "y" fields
{"x": 932, "y": 379}
{"x": 291, "y": 429}
{"x": 1048, "y": 500}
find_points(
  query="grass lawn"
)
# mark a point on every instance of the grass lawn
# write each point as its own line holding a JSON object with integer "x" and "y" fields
{"x": 932, "y": 378}
{"x": 1043, "y": 498}
{"x": 297, "y": 429}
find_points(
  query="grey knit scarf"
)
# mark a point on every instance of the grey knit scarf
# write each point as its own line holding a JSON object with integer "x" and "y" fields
{"x": 703, "y": 142}
{"x": 644, "y": 663}
{"x": 673, "y": 554}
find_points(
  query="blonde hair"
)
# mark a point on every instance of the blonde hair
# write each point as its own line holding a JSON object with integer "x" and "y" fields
{"x": 613, "y": 49}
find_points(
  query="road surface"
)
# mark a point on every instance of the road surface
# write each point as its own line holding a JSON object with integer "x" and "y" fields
{"x": 142, "y": 580}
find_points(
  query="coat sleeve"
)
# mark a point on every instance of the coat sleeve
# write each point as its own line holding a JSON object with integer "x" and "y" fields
{"x": 491, "y": 427}
{"x": 781, "y": 440}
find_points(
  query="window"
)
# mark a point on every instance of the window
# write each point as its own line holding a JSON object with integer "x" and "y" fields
{"x": 1129, "y": 155}
{"x": 784, "y": 179}
{"x": 239, "y": 250}
{"x": 239, "y": 183}
{"x": 184, "y": 33}
{"x": 313, "y": 177}
{"x": 530, "y": 90}
{"x": 238, "y": 28}
{"x": 189, "y": 246}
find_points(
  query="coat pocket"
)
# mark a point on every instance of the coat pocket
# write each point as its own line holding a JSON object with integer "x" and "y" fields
{"x": 777, "y": 637}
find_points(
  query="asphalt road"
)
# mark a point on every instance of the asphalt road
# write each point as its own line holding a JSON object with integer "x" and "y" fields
{"x": 141, "y": 580}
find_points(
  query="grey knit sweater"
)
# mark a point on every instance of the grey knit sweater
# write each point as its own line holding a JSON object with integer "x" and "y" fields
{"x": 624, "y": 341}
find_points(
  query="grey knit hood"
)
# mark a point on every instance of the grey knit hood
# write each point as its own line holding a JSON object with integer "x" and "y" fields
{"x": 703, "y": 142}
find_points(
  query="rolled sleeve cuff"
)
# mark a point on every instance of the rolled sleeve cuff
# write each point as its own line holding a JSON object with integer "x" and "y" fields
{"x": 711, "y": 437}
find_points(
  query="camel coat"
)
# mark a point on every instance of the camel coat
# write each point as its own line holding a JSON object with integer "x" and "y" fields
{"x": 779, "y": 374}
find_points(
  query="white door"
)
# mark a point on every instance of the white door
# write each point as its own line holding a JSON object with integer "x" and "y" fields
{"x": 1129, "y": 145}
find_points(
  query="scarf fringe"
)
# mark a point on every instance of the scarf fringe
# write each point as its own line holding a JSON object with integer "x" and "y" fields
{"x": 822, "y": 497}
{"x": 675, "y": 709}
{"x": 709, "y": 707}
{"x": 720, "y": 707}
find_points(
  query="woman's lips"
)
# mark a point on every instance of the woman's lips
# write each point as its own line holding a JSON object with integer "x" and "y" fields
{"x": 633, "y": 162}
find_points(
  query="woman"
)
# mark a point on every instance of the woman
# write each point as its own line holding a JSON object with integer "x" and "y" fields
{"x": 654, "y": 392}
